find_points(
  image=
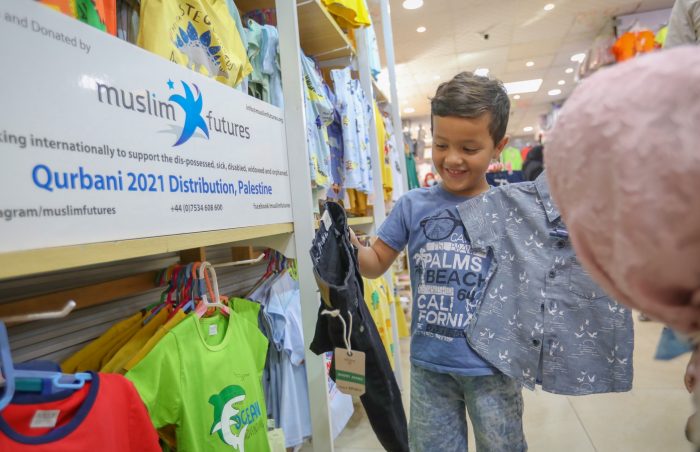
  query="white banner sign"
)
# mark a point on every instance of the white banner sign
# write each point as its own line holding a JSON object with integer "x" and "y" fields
{"x": 101, "y": 140}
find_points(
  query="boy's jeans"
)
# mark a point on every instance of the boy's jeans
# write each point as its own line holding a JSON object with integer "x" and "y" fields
{"x": 439, "y": 403}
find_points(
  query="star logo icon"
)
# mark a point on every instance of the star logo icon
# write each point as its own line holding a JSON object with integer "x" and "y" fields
{"x": 171, "y": 84}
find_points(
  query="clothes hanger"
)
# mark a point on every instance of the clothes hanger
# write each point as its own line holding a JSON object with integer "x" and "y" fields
{"x": 12, "y": 375}
{"x": 205, "y": 304}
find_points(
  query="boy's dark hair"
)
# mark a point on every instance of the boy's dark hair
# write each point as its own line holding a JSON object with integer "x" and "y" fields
{"x": 470, "y": 96}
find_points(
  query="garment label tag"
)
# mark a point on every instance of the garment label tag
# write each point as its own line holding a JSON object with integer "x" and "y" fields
{"x": 45, "y": 419}
{"x": 213, "y": 330}
{"x": 327, "y": 220}
{"x": 350, "y": 371}
{"x": 276, "y": 440}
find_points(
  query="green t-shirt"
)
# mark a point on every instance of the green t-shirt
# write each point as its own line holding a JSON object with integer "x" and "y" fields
{"x": 249, "y": 310}
{"x": 513, "y": 156}
{"x": 205, "y": 377}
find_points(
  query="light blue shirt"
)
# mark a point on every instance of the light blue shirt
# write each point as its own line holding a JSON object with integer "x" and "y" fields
{"x": 355, "y": 114}
{"x": 446, "y": 278}
{"x": 542, "y": 318}
{"x": 284, "y": 307}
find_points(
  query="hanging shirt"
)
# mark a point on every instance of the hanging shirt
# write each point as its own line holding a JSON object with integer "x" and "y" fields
{"x": 355, "y": 111}
{"x": 90, "y": 356}
{"x": 133, "y": 345}
{"x": 265, "y": 81}
{"x": 200, "y": 34}
{"x": 204, "y": 376}
{"x": 153, "y": 340}
{"x": 387, "y": 176}
{"x": 512, "y": 156}
{"x": 377, "y": 299}
{"x": 284, "y": 309}
{"x": 271, "y": 65}
{"x": 105, "y": 415}
{"x": 412, "y": 171}
{"x": 235, "y": 14}
{"x": 335, "y": 140}
{"x": 447, "y": 277}
{"x": 319, "y": 115}
{"x": 633, "y": 43}
{"x": 375, "y": 65}
{"x": 394, "y": 155}
{"x": 101, "y": 14}
{"x": 542, "y": 319}
{"x": 349, "y": 13}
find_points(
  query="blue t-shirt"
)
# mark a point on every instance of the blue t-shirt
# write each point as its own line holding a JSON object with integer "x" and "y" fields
{"x": 446, "y": 278}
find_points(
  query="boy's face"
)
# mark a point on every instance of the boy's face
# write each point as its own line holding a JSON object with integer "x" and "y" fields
{"x": 462, "y": 151}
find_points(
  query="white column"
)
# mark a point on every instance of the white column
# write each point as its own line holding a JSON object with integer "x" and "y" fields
{"x": 395, "y": 105}
{"x": 363, "y": 52}
{"x": 302, "y": 211}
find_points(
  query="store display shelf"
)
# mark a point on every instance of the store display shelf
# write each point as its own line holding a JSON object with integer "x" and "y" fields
{"x": 320, "y": 35}
{"x": 354, "y": 221}
{"x": 23, "y": 263}
{"x": 378, "y": 93}
{"x": 360, "y": 221}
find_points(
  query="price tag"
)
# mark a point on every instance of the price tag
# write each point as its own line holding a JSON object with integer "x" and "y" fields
{"x": 276, "y": 439}
{"x": 350, "y": 371}
{"x": 45, "y": 419}
{"x": 327, "y": 220}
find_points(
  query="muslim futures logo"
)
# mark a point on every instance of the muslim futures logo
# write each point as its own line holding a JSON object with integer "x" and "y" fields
{"x": 190, "y": 102}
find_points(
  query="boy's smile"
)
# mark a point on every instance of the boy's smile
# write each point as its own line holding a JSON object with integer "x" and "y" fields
{"x": 462, "y": 151}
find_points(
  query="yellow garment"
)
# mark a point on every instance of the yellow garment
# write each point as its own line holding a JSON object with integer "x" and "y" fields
{"x": 402, "y": 324}
{"x": 661, "y": 36}
{"x": 349, "y": 13}
{"x": 116, "y": 364}
{"x": 118, "y": 343}
{"x": 199, "y": 34}
{"x": 89, "y": 357}
{"x": 358, "y": 202}
{"x": 377, "y": 298}
{"x": 387, "y": 176}
{"x": 148, "y": 346}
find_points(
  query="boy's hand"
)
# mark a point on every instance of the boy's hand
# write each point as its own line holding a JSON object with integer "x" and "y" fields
{"x": 690, "y": 373}
{"x": 353, "y": 239}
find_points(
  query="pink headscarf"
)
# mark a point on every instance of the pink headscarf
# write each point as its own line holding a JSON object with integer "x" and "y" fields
{"x": 623, "y": 164}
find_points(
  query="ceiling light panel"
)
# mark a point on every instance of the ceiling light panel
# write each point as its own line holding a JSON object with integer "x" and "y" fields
{"x": 412, "y": 4}
{"x": 524, "y": 86}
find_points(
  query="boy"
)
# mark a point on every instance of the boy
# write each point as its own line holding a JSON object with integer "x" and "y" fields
{"x": 469, "y": 120}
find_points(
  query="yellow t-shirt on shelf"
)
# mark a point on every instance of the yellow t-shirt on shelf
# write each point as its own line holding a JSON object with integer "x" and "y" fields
{"x": 349, "y": 13}
{"x": 201, "y": 36}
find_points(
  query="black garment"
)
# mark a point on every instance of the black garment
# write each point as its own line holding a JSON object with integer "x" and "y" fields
{"x": 336, "y": 269}
{"x": 534, "y": 163}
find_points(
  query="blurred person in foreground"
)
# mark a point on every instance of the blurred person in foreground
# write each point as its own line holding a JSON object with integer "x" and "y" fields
{"x": 624, "y": 168}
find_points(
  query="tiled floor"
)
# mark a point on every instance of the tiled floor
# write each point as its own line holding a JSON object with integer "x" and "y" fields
{"x": 650, "y": 418}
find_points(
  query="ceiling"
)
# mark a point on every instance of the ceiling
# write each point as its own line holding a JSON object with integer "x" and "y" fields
{"x": 519, "y": 31}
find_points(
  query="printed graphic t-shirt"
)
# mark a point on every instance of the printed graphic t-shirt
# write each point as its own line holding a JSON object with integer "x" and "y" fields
{"x": 106, "y": 415}
{"x": 205, "y": 377}
{"x": 199, "y": 34}
{"x": 446, "y": 279}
